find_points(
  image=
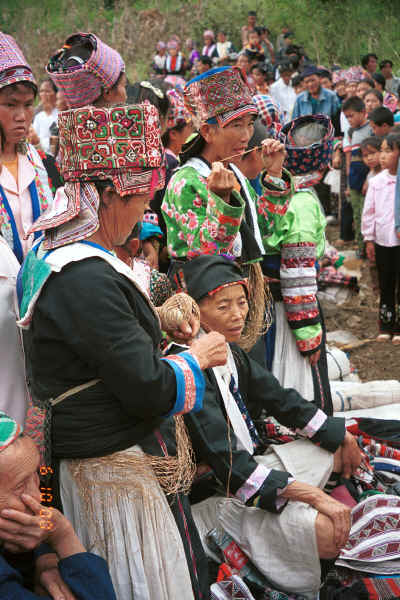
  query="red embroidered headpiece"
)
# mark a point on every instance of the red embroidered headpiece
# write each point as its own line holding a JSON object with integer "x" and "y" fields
{"x": 221, "y": 93}
{"x": 121, "y": 143}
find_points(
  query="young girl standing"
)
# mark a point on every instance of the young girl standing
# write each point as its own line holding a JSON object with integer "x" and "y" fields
{"x": 382, "y": 244}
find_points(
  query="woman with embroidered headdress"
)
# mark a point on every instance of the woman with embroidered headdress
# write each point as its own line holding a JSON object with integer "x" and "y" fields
{"x": 24, "y": 186}
{"x": 175, "y": 63}
{"x": 94, "y": 365}
{"x": 158, "y": 64}
{"x": 88, "y": 71}
{"x": 209, "y": 206}
{"x": 293, "y": 231}
{"x": 271, "y": 501}
{"x": 209, "y": 48}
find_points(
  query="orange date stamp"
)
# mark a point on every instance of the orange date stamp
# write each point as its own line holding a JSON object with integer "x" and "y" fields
{"x": 46, "y": 497}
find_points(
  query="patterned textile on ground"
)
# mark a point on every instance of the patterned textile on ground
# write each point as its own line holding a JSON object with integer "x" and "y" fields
{"x": 331, "y": 276}
{"x": 374, "y": 541}
{"x": 236, "y": 562}
{"x": 340, "y": 586}
{"x": 329, "y": 273}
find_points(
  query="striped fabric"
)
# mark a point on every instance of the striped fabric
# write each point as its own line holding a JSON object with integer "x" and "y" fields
{"x": 13, "y": 65}
{"x": 299, "y": 288}
{"x": 82, "y": 84}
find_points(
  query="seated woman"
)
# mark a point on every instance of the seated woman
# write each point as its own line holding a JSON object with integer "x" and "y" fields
{"x": 63, "y": 562}
{"x": 92, "y": 347}
{"x": 279, "y": 509}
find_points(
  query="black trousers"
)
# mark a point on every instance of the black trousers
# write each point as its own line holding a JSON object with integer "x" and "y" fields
{"x": 388, "y": 267}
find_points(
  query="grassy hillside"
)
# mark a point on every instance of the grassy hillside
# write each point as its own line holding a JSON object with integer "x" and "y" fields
{"x": 330, "y": 30}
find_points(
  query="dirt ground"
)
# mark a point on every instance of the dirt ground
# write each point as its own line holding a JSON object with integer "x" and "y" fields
{"x": 359, "y": 315}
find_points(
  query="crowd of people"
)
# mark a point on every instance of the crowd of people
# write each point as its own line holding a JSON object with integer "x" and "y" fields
{"x": 166, "y": 419}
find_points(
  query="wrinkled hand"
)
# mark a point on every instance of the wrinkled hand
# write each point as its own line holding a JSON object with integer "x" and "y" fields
{"x": 23, "y": 532}
{"x": 351, "y": 456}
{"x": 338, "y": 513}
{"x": 314, "y": 358}
{"x": 273, "y": 156}
{"x": 186, "y": 331}
{"x": 210, "y": 350}
{"x": 221, "y": 181}
{"x": 370, "y": 251}
{"x": 48, "y": 579}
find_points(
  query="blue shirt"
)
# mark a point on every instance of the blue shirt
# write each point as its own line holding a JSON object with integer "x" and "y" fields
{"x": 327, "y": 103}
{"x": 86, "y": 574}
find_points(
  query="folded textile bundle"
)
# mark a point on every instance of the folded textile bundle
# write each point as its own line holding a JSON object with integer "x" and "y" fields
{"x": 374, "y": 541}
{"x": 350, "y": 395}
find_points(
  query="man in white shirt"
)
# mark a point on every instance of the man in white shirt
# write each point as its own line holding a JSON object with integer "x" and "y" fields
{"x": 282, "y": 91}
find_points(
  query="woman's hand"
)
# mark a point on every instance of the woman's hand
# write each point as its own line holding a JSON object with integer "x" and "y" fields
{"x": 210, "y": 350}
{"x": 221, "y": 181}
{"x": 273, "y": 156}
{"x": 48, "y": 579}
{"x": 186, "y": 331}
{"x": 23, "y": 532}
{"x": 370, "y": 251}
{"x": 351, "y": 455}
{"x": 339, "y": 514}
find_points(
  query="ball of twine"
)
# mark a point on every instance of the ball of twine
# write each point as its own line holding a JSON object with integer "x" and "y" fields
{"x": 176, "y": 310}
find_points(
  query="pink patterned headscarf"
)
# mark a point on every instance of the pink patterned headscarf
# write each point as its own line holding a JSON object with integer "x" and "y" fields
{"x": 13, "y": 65}
{"x": 83, "y": 82}
{"x": 177, "y": 112}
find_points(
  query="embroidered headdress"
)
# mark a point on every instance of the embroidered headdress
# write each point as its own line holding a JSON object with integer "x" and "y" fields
{"x": 13, "y": 65}
{"x": 308, "y": 141}
{"x": 177, "y": 112}
{"x": 121, "y": 144}
{"x": 218, "y": 95}
{"x": 269, "y": 113}
{"x": 10, "y": 430}
{"x": 82, "y": 80}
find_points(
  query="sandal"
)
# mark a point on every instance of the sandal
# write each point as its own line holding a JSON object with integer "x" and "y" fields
{"x": 386, "y": 337}
{"x": 396, "y": 339}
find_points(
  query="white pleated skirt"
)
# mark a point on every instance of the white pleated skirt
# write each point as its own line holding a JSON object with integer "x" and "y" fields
{"x": 131, "y": 527}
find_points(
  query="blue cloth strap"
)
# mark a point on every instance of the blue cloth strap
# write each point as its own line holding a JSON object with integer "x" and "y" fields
{"x": 17, "y": 246}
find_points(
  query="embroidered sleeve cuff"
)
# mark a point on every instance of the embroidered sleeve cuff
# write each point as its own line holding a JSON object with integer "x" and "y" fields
{"x": 313, "y": 424}
{"x": 331, "y": 434}
{"x": 263, "y": 488}
{"x": 276, "y": 186}
{"x": 308, "y": 339}
{"x": 190, "y": 384}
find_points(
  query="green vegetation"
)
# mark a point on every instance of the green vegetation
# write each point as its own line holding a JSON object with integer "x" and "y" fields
{"x": 330, "y": 30}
